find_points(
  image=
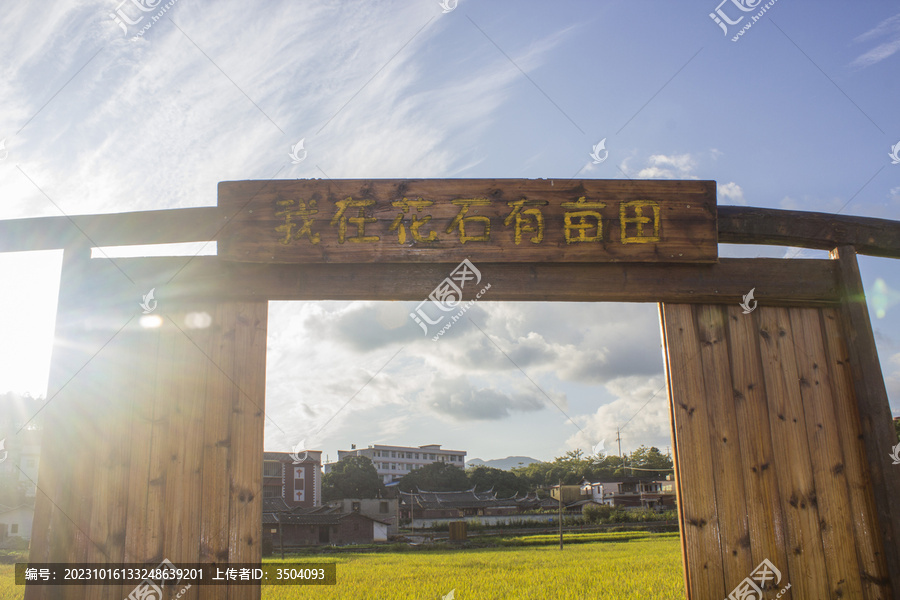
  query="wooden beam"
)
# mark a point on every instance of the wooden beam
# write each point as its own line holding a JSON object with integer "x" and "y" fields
{"x": 874, "y": 408}
{"x": 823, "y": 231}
{"x": 777, "y": 281}
{"x": 118, "y": 229}
{"x": 447, "y": 220}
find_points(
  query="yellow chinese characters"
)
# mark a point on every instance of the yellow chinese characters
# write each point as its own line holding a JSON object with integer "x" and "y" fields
{"x": 527, "y": 223}
{"x": 638, "y": 236}
{"x": 360, "y": 220}
{"x": 589, "y": 226}
{"x": 528, "y": 220}
{"x": 400, "y": 227}
{"x": 305, "y": 212}
{"x": 462, "y": 219}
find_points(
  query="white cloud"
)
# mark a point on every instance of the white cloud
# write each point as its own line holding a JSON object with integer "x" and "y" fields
{"x": 320, "y": 355}
{"x": 733, "y": 192}
{"x": 675, "y": 166}
{"x": 643, "y": 401}
{"x": 153, "y": 123}
{"x": 890, "y": 28}
{"x": 894, "y": 194}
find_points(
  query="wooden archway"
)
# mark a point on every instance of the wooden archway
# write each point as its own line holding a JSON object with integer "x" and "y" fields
{"x": 781, "y": 423}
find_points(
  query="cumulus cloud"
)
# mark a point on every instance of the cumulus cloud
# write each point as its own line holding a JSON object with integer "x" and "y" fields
{"x": 675, "y": 166}
{"x": 733, "y": 192}
{"x": 640, "y": 409}
{"x": 334, "y": 367}
{"x": 459, "y": 399}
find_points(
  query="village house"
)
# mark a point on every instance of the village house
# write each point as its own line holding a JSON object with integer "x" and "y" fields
{"x": 15, "y": 525}
{"x": 379, "y": 509}
{"x": 297, "y": 482}
{"x": 288, "y": 527}
{"x": 631, "y": 492}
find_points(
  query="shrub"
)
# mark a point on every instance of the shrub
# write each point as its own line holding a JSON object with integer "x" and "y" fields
{"x": 594, "y": 513}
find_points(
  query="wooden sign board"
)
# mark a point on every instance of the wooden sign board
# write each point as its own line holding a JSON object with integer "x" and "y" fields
{"x": 447, "y": 220}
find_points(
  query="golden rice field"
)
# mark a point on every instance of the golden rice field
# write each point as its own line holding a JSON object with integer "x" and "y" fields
{"x": 648, "y": 568}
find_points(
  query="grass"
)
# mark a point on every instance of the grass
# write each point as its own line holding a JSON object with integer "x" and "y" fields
{"x": 599, "y": 567}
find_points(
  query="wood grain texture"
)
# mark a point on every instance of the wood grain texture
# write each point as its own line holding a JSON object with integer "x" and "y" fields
{"x": 767, "y": 534}
{"x": 824, "y": 231}
{"x": 713, "y": 364}
{"x": 793, "y": 465}
{"x": 873, "y": 407}
{"x": 765, "y": 452}
{"x": 863, "y": 514}
{"x": 698, "y": 506}
{"x": 447, "y": 220}
{"x": 247, "y": 430}
{"x": 777, "y": 281}
{"x": 826, "y": 454}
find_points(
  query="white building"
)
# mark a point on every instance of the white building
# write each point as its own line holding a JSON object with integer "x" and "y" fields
{"x": 393, "y": 462}
{"x": 15, "y": 522}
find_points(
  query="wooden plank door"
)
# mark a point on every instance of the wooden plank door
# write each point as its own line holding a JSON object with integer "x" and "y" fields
{"x": 769, "y": 455}
{"x": 153, "y": 436}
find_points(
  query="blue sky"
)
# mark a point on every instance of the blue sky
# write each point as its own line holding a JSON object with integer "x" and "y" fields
{"x": 800, "y": 113}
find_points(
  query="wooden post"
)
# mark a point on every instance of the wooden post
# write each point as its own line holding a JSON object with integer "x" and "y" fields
{"x": 874, "y": 408}
{"x": 280, "y": 536}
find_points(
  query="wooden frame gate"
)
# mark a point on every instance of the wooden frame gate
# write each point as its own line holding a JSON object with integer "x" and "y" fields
{"x": 780, "y": 420}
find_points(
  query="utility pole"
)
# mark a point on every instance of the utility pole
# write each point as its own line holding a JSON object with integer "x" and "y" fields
{"x": 560, "y": 515}
{"x": 619, "y": 441}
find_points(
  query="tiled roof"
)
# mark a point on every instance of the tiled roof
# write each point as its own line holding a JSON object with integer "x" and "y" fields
{"x": 275, "y": 505}
{"x": 311, "y": 518}
{"x": 461, "y": 499}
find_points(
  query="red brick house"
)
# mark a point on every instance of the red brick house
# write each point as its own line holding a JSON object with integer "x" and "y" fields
{"x": 297, "y": 483}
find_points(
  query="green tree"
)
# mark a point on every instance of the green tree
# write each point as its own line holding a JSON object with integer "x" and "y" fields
{"x": 648, "y": 459}
{"x": 504, "y": 483}
{"x": 436, "y": 477}
{"x": 352, "y": 477}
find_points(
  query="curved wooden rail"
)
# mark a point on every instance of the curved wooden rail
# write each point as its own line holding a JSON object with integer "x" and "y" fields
{"x": 823, "y": 231}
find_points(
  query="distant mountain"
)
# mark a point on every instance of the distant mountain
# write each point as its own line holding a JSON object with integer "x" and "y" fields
{"x": 505, "y": 464}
